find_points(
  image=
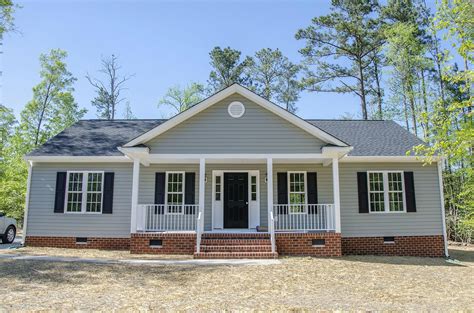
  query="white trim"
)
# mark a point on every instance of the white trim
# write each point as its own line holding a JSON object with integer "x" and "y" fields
{"x": 443, "y": 212}
{"x": 135, "y": 186}
{"x": 202, "y": 195}
{"x": 305, "y": 192}
{"x": 183, "y": 192}
{"x": 270, "y": 192}
{"x": 374, "y": 159}
{"x": 235, "y": 88}
{"x": 55, "y": 159}
{"x": 220, "y": 206}
{"x": 386, "y": 191}
{"x": 27, "y": 202}
{"x": 336, "y": 194}
{"x": 84, "y": 192}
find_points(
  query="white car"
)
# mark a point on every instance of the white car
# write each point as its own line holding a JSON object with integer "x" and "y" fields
{"x": 7, "y": 228}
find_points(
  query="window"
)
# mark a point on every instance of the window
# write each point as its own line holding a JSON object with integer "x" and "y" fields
{"x": 218, "y": 188}
{"x": 297, "y": 192}
{"x": 175, "y": 192}
{"x": 253, "y": 188}
{"x": 84, "y": 192}
{"x": 386, "y": 192}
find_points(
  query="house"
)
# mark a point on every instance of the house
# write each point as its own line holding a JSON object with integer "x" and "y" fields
{"x": 235, "y": 176}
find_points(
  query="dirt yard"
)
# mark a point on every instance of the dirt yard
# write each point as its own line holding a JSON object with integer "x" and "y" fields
{"x": 348, "y": 283}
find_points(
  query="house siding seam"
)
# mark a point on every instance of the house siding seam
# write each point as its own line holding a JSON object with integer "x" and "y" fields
{"x": 421, "y": 246}
{"x": 70, "y": 242}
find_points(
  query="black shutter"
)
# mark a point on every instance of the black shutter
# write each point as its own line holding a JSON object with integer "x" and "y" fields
{"x": 363, "y": 192}
{"x": 160, "y": 181}
{"x": 60, "y": 192}
{"x": 282, "y": 191}
{"x": 189, "y": 192}
{"x": 410, "y": 191}
{"x": 312, "y": 191}
{"x": 108, "y": 193}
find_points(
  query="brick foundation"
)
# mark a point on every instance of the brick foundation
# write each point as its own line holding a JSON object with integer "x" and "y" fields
{"x": 302, "y": 244}
{"x": 423, "y": 246}
{"x": 70, "y": 242}
{"x": 172, "y": 243}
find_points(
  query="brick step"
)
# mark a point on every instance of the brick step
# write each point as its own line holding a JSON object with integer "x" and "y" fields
{"x": 235, "y": 248}
{"x": 236, "y": 235}
{"x": 235, "y": 242}
{"x": 235, "y": 255}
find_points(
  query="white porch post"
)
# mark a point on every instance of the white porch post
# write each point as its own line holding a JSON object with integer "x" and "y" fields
{"x": 337, "y": 199}
{"x": 202, "y": 184}
{"x": 443, "y": 211}
{"x": 269, "y": 188}
{"x": 27, "y": 202}
{"x": 135, "y": 185}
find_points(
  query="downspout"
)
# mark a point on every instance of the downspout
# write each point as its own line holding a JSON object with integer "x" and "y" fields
{"x": 443, "y": 212}
{"x": 27, "y": 202}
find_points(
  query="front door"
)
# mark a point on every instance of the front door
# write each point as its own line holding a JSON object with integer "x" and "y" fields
{"x": 236, "y": 202}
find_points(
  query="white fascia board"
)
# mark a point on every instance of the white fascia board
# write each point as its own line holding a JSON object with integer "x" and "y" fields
{"x": 237, "y": 156}
{"x": 375, "y": 159}
{"x": 90, "y": 159}
{"x": 299, "y": 122}
{"x": 337, "y": 151}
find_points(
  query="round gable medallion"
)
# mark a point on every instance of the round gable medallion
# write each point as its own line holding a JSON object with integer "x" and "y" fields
{"x": 236, "y": 109}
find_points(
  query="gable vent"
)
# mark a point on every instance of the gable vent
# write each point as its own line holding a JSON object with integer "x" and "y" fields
{"x": 236, "y": 109}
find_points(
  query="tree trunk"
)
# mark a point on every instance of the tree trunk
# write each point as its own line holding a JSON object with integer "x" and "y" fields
{"x": 362, "y": 91}
{"x": 413, "y": 108}
{"x": 379, "y": 90}
{"x": 405, "y": 109}
{"x": 425, "y": 105}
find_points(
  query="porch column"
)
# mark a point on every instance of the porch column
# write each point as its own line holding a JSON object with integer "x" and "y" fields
{"x": 337, "y": 200}
{"x": 269, "y": 189}
{"x": 135, "y": 183}
{"x": 202, "y": 185}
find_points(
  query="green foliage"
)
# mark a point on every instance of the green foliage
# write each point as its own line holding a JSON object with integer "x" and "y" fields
{"x": 7, "y": 121}
{"x": 108, "y": 91}
{"x": 181, "y": 99}
{"x": 128, "y": 114}
{"x": 51, "y": 110}
{"x": 452, "y": 121}
{"x": 7, "y": 20}
{"x": 227, "y": 69}
{"x": 348, "y": 35}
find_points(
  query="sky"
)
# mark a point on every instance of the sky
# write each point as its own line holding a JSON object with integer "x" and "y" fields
{"x": 160, "y": 43}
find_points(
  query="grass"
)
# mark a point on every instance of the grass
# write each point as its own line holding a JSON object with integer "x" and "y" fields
{"x": 347, "y": 283}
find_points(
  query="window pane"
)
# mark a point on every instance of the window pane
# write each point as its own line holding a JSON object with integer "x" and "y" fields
{"x": 74, "y": 197}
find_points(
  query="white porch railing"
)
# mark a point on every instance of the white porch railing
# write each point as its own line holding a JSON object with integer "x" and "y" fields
{"x": 160, "y": 217}
{"x": 304, "y": 217}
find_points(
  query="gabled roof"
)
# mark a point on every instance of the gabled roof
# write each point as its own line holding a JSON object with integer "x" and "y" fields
{"x": 224, "y": 93}
{"x": 102, "y": 137}
{"x": 371, "y": 138}
{"x": 95, "y": 138}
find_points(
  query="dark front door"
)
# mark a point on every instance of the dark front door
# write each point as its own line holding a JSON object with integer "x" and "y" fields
{"x": 236, "y": 202}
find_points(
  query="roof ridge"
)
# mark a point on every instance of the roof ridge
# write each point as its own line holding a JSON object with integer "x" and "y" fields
{"x": 122, "y": 119}
{"x": 343, "y": 120}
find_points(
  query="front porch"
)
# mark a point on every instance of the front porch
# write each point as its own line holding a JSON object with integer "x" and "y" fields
{"x": 220, "y": 195}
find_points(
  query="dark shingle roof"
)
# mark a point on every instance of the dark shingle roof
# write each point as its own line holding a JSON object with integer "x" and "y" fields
{"x": 102, "y": 137}
{"x": 371, "y": 138}
{"x": 95, "y": 137}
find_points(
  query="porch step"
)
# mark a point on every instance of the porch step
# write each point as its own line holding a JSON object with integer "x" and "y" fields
{"x": 235, "y": 248}
{"x": 235, "y": 255}
{"x": 235, "y": 242}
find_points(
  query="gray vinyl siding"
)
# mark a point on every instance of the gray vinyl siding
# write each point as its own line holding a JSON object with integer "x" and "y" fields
{"x": 215, "y": 131}
{"x": 426, "y": 220}
{"x": 42, "y": 221}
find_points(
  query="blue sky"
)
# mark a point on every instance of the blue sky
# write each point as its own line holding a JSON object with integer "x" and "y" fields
{"x": 162, "y": 43}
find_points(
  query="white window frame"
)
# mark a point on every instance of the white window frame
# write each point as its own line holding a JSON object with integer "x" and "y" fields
{"x": 183, "y": 192}
{"x": 305, "y": 192}
{"x": 386, "y": 192}
{"x": 85, "y": 175}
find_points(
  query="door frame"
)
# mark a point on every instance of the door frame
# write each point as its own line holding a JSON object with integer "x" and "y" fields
{"x": 217, "y": 210}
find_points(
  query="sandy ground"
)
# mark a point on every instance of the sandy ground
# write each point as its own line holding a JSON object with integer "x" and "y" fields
{"x": 347, "y": 283}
